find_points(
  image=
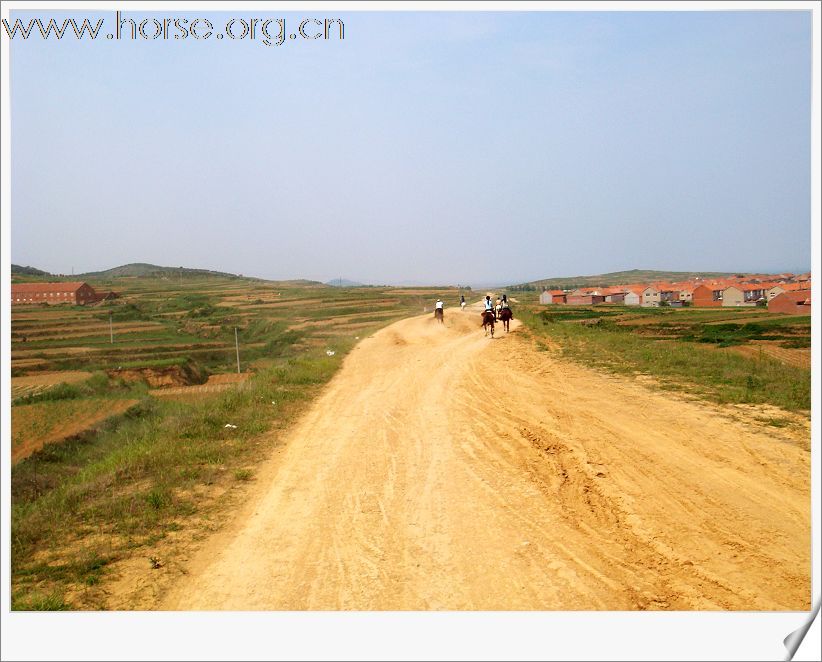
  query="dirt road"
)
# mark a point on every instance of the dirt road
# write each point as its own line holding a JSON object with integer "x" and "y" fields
{"x": 445, "y": 470}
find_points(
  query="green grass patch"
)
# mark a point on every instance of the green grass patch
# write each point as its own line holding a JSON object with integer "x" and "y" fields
{"x": 686, "y": 359}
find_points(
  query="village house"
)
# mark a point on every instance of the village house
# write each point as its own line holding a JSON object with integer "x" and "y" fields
{"x": 614, "y": 295}
{"x": 51, "y": 293}
{"x": 584, "y": 298}
{"x": 650, "y": 297}
{"x": 734, "y": 296}
{"x": 632, "y": 298}
{"x": 792, "y": 303}
{"x": 707, "y": 295}
{"x": 685, "y": 290}
{"x": 552, "y": 296}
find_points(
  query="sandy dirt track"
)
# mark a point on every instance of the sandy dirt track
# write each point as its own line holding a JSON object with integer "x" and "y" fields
{"x": 429, "y": 477}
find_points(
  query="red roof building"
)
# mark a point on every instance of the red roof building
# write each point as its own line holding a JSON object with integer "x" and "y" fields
{"x": 792, "y": 303}
{"x": 75, "y": 293}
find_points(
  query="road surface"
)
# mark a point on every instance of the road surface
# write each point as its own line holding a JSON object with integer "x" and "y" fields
{"x": 441, "y": 469}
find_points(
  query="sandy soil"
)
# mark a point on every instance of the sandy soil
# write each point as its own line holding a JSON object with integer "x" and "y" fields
{"x": 441, "y": 469}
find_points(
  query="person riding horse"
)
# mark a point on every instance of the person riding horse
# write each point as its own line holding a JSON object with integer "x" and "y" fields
{"x": 488, "y": 304}
{"x": 488, "y": 317}
{"x": 438, "y": 312}
{"x": 506, "y": 314}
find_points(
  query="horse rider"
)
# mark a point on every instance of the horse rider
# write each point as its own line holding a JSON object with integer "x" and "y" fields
{"x": 462, "y": 301}
{"x": 489, "y": 306}
{"x": 505, "y": 302}
{"x": 497, "y": 308}
{"x": 438, "y": 306}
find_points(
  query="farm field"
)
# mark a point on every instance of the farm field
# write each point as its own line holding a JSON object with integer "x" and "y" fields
{"x": 723, "y": 355}
{"x": 40, "y": 382}
{"x": 33, "y": 426}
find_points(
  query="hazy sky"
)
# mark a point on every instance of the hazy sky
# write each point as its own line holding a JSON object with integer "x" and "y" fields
{"x": 425, "y": 147}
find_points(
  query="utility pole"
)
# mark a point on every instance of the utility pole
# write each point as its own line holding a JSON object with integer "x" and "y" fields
{"x": 237, "y": 346}
{"x": 110, "y": 327}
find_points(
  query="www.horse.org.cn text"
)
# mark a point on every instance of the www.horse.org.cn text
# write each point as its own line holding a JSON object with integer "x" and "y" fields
{"x": 268, "y": 31}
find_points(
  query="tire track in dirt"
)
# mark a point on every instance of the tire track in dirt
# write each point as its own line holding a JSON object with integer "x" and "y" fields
{"x": 425, "y": 477}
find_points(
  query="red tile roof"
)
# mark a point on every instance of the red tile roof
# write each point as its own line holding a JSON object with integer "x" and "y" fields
{"x": 792, "y": 287}
{"x": 46, "y": 287}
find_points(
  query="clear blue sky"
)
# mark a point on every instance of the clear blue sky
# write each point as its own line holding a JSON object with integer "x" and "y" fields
{"x": 425, "y": 147}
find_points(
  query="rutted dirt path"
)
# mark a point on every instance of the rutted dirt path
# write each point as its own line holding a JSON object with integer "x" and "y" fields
{"x": 444, "y": 470}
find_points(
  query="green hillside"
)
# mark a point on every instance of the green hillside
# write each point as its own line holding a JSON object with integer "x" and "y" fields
{"x": 141, "y": 270}
{"x": 17, "y": 270}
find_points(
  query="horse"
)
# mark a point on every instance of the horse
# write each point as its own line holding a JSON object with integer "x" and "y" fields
{"x": 506, "y": 316}
{"x": 488, "y": 319}
{"x": 438, "y": 315}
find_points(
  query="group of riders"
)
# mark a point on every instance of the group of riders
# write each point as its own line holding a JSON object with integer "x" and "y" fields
{"x": 492, "y": 312}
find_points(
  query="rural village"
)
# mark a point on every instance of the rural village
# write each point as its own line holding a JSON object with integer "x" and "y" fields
{"x": 782, "y": 293}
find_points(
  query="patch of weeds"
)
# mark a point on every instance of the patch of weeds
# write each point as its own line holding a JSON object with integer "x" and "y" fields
{"x": 54, "y": 601}
{"x": 243, "y": 474}
{"x": 777, "y": 422}
{"x": 158, "y": 498}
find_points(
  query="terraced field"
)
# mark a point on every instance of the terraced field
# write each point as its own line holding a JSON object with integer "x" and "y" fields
{"x": 41, "y": 382}
{"x": 33, "y": 426}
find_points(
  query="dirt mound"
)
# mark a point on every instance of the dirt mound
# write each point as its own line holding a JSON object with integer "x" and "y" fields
{"x": 185, "y": 374}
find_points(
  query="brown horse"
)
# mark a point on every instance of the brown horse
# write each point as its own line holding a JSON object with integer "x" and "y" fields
{"x": 506, "y": 315}
{"x": 438, "y": 315}
{"x": 488, "y": 320}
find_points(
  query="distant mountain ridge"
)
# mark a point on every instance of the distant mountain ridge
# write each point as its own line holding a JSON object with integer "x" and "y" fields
{"x": 620, "y": 278}
{"x": 145, "y": 269}
{"x": 16, "y": 269}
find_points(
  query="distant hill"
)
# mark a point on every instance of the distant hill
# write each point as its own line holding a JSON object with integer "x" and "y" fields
{"x": 297, "y": 282}
{"x": 16, "y": 269}
{"x": 342, "y": 282}
{"x": 618, "y": 278}
{"x": 141, "y": 269}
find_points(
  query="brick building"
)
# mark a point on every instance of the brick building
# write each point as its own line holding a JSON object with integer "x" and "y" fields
{"x": 793, "y": 303}
{"x": 73, "y": 293}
